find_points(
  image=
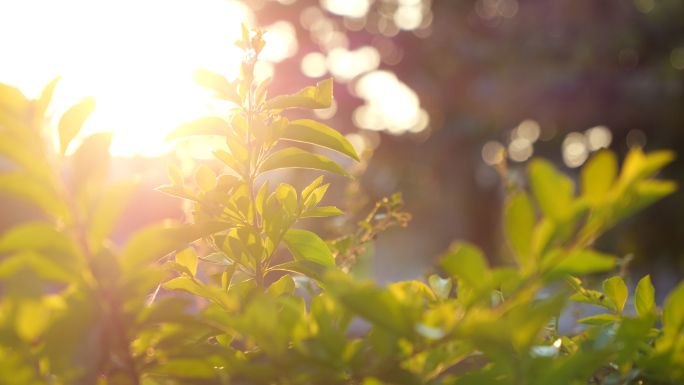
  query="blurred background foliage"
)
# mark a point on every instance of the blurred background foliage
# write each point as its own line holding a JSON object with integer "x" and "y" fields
{"x": 436, "y": 90}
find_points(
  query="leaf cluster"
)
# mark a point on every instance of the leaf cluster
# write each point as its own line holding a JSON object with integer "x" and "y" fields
{"x": 78, "y": 310}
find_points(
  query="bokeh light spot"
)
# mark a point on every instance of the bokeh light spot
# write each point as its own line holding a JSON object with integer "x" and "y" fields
{"x": 677, "y": 58}
{"x": 636, "y": 138}
{"x": 351, "y": 8}
{"x": 644, "y": 6}
{"x": 528, "y": 129}
{"x": 598, "y": 137}
{"x": 574, "y": 150}
{"x": 327, "y": 113}
{"x": 313, "y": 65}
{"x": 628, "y": 58}
{"x": 493, "y": 153}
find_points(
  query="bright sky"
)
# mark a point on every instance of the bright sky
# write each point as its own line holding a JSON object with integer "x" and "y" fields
{"x": 135, "y": 57}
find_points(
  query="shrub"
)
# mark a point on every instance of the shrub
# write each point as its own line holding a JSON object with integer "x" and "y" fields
{"x": 78, "y": 310}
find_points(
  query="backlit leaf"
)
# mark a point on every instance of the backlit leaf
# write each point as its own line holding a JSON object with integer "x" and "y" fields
{"x": 520, "y": 220}
{"x": 43, "y": 102}
{"x": 296, "y": 158}
{"x": 600, "y": 319}
{"x": 201, "y": 127}
{"x": 552, "y": 189}
{"x": 287, "y": 196}
{"x": 616, "y": 290}
{"x": 285, "y": 285}
{"x": 328, "y": 211}
{"x": 154, "y": 242}
{"x": 26, "y": 188}
{"x": 310, "y": 269}
{"x": 598, "y": 176}
{"x": 441, "y": 286}
{"x": 310, "y": 131}
{"x": 673, "y": 311}
{"x": 218, "y": 83}
{"x": 109, "y": 209}
{"x": 309, "y": 98}
{"x": 644, "y": 298}
{"x": 466, "y": 262}
{"x": 205, "y": 178}
{"x": 307, "y": 246}
{"x": 175, "y": 175}
{"x": 72, "y": 120}
{"x": 188, "y": 258}
{"x": 581, "y": 262}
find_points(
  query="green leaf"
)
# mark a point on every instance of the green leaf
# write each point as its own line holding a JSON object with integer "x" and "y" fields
{"x": 188, "y": 258}
{"x": 186, "y": 285}
{"x": 175, "y": 175}
{"x": 520, "y": 219}
{"x": 296, "y": 158}
{"x": 260, "y": 93}
{"x": 673, "y": 311}
{"x": 260, "y": 199}
{"x": 44, "y": 239}
{"x": 218, "y": 258}
{"x": 285, "y": 285}
{"x": 109, "y": 209}
{"x": 328, "y": 211}
{"x": 598, "y": 176}
{"x": 154, "y": 242}
{"x": 307, "y": 246}
{"x": 310, "y": 269}
{"x": 47, "y": 269}
{"x": 309, "y": 98}
{"x": 201, "y": 127}
{"x": 441, "y": 286}
{"x": 218, "y": 83}
{"x": 205, "y": 178}
{"x": 72, "y": 120}
{"x": 466, "y": 262}
{"x": 616, "y": 290}
{"x": 554, "y": 191}
{"x": 43, "y": 102}
{"x": 227, "y": 276}
{"x": 644, "y": 298}
{"x": 229, "y": 160}
{"x": 287, "y": 196}
{"x": 32, "y": 319}
{"x": 91, "y": 160}
{"x": 179, "y": 192}
{"x": 600, "y": 319}
{"x": 310, "y": 131}
{"x": 580, "y": 262}
{"x": 310, "y": 188}
{"x": 28, "y": 189}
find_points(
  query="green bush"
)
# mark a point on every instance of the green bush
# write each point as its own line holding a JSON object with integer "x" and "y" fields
{"x": 77, "y": 310}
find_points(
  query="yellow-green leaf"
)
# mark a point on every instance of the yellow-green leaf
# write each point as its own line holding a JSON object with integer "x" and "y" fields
{"x": 188, "y": 258}
{"x": 554, "y": 191}
{"x": 72, "y": 120}
{"x": 175, "y": 175}
{"x": 520, "y": 219}
{"x": 598, "y": 176}
{"x": 310, "y": 131}
{"x": 287, "y": 196}
{"x": 154, "y": 242}
{"x": 307, "y": 246}
{"x": 205, "y": 178}
{"x": 328, "y": 211}
{"x": 644, "y": 298}
{"x": 309, "y": 98}
{"x": 616, "y": 290}
{"x": 201, "y": 127}
{"x": 296, "y": 158}
{"x": 218, "y": 83}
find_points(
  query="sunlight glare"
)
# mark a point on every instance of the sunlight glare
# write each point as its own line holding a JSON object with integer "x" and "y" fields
{"x": 134, "y": 57}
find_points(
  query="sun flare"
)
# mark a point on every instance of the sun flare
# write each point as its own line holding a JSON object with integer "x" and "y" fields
{"x": 134, "y": 57}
